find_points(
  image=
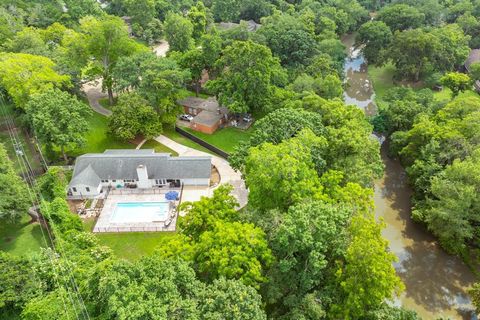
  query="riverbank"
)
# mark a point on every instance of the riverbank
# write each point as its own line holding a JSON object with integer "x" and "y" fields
{"x": 435, "y": 282}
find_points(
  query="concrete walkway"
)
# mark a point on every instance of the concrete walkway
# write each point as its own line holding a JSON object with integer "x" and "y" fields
{"x": 227, "y": 174}
{"x": 93, "y": 91}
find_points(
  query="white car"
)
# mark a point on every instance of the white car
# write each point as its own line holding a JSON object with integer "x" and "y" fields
{"x": 186, "y": 117}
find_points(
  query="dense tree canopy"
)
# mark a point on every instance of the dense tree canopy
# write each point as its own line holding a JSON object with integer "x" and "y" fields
{"x": 247, "y": 76}
{"x": 58, "y": 119}
{"x": 14, "y": 198}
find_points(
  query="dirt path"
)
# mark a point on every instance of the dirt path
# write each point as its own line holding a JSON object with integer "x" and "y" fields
{"x": 93, "y": 91}
{"x": 227, "y": 174}
{"x": 161, "y": 48}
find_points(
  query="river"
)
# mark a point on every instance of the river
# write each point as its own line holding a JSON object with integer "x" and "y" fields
{"x": 435, "y": 282}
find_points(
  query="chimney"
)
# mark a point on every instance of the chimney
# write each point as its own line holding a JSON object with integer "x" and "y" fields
{"x": 142, "y": 174}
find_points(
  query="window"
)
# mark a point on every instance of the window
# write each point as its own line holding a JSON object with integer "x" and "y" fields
{"x": 104, "y": 181}
{"x": 74, "y": 189}
{"x": 160, "y": 181}
{"x": 88, "y": 189}
{"x": 114, "y": 180}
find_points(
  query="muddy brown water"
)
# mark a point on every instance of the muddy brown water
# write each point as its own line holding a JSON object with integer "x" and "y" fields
{"x": 435, "y": 282}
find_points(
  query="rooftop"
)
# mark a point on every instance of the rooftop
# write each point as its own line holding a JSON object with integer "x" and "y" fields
{"x": 90, "y": 168}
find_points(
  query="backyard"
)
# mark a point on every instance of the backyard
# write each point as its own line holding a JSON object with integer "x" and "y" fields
{"x": 225, "y": 139}
{"x": 21, "y": 239}
{"x": 158, "y": 147}
{"x": 129, "y": 245}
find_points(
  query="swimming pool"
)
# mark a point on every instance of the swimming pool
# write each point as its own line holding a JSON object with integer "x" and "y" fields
{"x": 131, "y": 212}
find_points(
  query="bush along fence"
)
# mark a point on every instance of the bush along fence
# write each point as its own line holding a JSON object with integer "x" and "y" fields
{"x": 203, "y": 143}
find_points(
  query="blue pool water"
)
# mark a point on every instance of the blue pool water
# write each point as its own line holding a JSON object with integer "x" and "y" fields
{"x": 133, "y": 212}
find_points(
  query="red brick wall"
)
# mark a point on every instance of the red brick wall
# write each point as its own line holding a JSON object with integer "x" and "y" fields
{"x": 203, "y": 128}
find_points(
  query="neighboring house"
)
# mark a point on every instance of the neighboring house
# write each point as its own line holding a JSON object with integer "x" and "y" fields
{"x": 473, "y": 57}
{"x": 252, "y": 26}
{"x": 143, "y": 169}
{"x": 208, "y": 115}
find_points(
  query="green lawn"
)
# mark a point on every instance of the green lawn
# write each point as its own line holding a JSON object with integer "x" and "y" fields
{"x": 158, "y": 147}
{"x": 177, "y": 137}
{"x": 98, "y": 139}
{"x": 225, "y": 139}
{"x": 130, "y": 245}
{"x": 23, "y": 238}
{"x": 382, "y": 78}
{"x": 104, "y": 102}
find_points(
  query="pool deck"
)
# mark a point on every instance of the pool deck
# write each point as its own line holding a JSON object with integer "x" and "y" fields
{"x": 105, "y": 225}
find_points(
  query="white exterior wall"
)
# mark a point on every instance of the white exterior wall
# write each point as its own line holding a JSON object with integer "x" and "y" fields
{"x": 82, "y": 190}
{"x": 196, "y": 182}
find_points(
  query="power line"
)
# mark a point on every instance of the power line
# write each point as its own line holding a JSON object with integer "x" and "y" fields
{"x": 29, "y": 176}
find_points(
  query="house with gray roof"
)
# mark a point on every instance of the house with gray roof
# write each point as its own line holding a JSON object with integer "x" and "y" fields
{"x": 143, "y": 169}
{"x": 207, "y": 114}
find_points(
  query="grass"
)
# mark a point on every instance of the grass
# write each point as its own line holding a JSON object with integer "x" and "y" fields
{"x": 382, "y": 78}
{"x": 175, "y": 136}
{"x": 183, "y": 93}
{"x": 104, "y": 102}
{"x": 130, "y": 245}
{"x": 98, "y": 139}
{"x": 225, "y": 139}
{"x": 158, "y": 147}
{"x": 22, "y": 238}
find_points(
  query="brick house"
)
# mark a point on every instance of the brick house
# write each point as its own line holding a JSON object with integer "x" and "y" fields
{"x": 207, "y": 114}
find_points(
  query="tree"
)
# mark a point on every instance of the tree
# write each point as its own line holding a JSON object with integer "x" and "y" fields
{"x": 475, "y": 71}
{"x": 226, "y": 10}
{"x": 211, "y": 48}
{"x": 411, "y": 50}
{"x": 58, "y": 119}
{"x": 202, "y": 215}
{"x": 51, "y": 305}
{"x": 23, "y": 75}
{"x": 29, "y": 40}
{"x": 367, "y": 254}
{"x": 451, "y": 213}
{"x": 107, "y": 40}
{"x": 401, "y": 17}
{"x": 289, "y": 39}
{"x": 178, "y": 32}
{"x": 10, "y": 24}
{"x": 14, "y": 198}
{"x": 151, "y": 288}
{"x": 198, "y": 17}
{"x": 133, "y": 116}
{"x": 268, "y": 165}
{"x": 452, "y": 50}
{"x": 232, "y": 300}
{"x": 307, "y": 241}
{"x": 18, "y": 284}
{"x": 248, "y": 73}
{"x": 233, "y": 250}
{"x": 193, "y": 61}
{"x": 457, "y": 82}
{"x": 375, "y": 37}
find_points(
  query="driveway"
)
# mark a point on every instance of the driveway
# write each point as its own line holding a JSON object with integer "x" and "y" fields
{"x": 227, "y": 174}
{"x": 93, "y": 91}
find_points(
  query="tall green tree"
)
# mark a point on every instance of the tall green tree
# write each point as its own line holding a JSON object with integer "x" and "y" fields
{"x": 14, "y": 198}
{"x": 457, "y": 82}
{"x": 198, "y": 16}
{"x": 233, "y": 250}
{"x": 411, "y": 50}
{"x": 178, "y": 32}
{"x": 58, "y": 119}
{"x": 367, "y": 254}
{"x": 280, "y": 175}
{"x": 23, "y": 75}
{"x": 401, "y": 17}
{"x": 375, "y": 36}
{"x": 134, "y": 116}
{"x": 107, "y": 40}
{"x": 248, "y": 74}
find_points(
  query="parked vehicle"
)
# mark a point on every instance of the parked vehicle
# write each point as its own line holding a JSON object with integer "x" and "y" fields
{"x": 247, "y": 117}
{"x": 186, "y": 117}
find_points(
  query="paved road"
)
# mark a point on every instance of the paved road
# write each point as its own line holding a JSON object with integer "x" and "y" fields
{"x": 93, "y": 91}
{"x": 227, "y": 174}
